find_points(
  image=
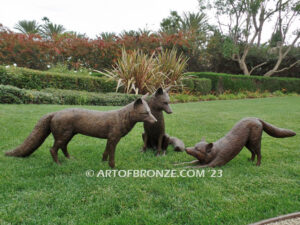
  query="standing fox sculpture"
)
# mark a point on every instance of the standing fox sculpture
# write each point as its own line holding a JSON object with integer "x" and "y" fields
{"x": 154, "y": 135}
{"x": 247, "y": 132}
{"x": 64, "y": 124}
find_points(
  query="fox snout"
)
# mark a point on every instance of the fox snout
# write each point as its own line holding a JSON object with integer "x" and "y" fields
{"x": 168, "y": 110}
{"x": 188, "y": 150}
{"x": 151, "y": 119}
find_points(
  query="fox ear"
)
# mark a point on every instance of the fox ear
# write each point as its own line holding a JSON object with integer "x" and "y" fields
{"x": 159, "y": 91}
{"x": 168, "y": 89}
{"x": 209, "y": 147}
{"x": 203, "y": 139}
{"x": 145, "y": 96}
{"x": 137, "y": 102}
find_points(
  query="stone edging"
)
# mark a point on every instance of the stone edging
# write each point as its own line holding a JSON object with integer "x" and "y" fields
{"x": 276, "y": 219}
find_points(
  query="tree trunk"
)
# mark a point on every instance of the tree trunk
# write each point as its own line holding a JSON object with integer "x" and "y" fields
{"x": 244, "y": 67}
{"x": 275, "y": 68}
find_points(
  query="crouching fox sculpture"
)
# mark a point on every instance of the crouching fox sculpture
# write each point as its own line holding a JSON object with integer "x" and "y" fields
{"x": 247, "y": 132}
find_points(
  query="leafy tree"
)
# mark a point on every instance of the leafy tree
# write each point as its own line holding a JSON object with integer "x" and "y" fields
{"x": 144, "y": 31}
{"x": 194, "y": 21}
{"x": 130, "y": 33}
{"x": 171, "y": 24}
{"x": 28, "y": 27}
{"x": 107, "y": 36}
{"x": 243, "y": 21}
{"x": 76, "y": 34}
{"x": 49, "y": 29}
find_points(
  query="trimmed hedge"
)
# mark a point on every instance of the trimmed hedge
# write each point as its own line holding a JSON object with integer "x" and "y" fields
{"x": 34, "y": 79}
{"x": 14, "y": 95}
{"x": 236, "y": 83}
{"x": 91, "y": 98}
{"x": 198, "y": 85}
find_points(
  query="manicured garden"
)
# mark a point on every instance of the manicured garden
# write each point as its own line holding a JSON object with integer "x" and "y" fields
{"x": 25, "y": 86}
{"x": 35, "y": 190}
{"x": 194, "y": 60}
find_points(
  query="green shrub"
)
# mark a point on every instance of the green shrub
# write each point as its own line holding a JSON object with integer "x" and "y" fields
{"x": 34, "y": 79}
{"x": 63, "y": 68}
{"x": 91, "y": 98}
{"x": 237, "y": 83}
{"x": 14, "y": 95}
{"x": 175, "y": 98}
{"x": 198, "y": 85}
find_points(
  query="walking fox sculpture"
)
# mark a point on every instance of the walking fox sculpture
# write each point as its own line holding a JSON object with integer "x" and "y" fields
{"x": 247, "y": 132}
{"x": 64, "y": 124}
{"x": 154, "y": 135}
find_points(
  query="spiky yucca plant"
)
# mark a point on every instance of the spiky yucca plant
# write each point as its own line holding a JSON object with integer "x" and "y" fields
{"x": 172, "y": 66}
{"x": 133, "y": 71}
{"x": 140, "y": 73}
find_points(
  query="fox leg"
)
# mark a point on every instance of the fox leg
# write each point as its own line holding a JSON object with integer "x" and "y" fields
{"x": 65, "y": 151}
{"x": 258, "y": 152}
{"x": 248, "y": 146}
{"x": 254, "y": 143}
{"x": 112, "y": 143}
{"x": 61, "y": 140}
{"x": 198, "y": 166}
{"x": 145, "y": 139}
{"x": 255, "y": 148}
{"x": 215, "y": 162}
{"x": 165, "y": 143}
{"x": 159, "y": 145}
{"x": 64, "y": 147}
{"x": 106, "y": 152}
{"x": 185, "y": 163}
{"x": 54, "y": 151}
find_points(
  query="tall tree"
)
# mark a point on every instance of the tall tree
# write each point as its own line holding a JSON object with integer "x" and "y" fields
{"x": 171, "y": 24}
{"x": 50, "y": 29}
{"x": 28, "y": 27}
{"x": 108, "y": 36}
{"x": 194, "y": 21}
{"x": 243, "y": 21}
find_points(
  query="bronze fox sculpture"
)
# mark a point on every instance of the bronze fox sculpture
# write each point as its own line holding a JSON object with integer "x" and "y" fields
{"x": 247, "y": 132}
{"x": 64, "y": 124}
{"x": 154, "y": 135}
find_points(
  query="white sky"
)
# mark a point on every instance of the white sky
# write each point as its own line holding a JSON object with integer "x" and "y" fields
{"x": 94, "y": 16}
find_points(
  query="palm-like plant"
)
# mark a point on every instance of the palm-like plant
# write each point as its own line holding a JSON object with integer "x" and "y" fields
{"x": 130, "y": 33}
{"x": 28, "y": 27}
{"x": 144, "y": 31}
{"x": 76, "y": 34}
{"x": 107, "y": 36}
{"x": 50, "y": 29}
{"x": 196, "y": 22}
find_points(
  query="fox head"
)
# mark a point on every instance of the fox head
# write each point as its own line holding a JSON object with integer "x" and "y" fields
{"x": 142, "y": 112}
{"x": 202, "y": 151}
{"x": 162, "y": 100}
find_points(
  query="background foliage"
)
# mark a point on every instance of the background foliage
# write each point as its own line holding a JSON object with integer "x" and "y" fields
{"x": 205, "y": 48}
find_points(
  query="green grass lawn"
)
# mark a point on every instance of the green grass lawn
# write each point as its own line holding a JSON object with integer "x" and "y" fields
{"x": 34, "y": 190}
